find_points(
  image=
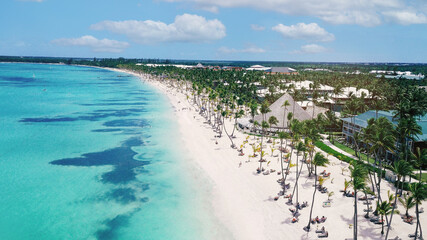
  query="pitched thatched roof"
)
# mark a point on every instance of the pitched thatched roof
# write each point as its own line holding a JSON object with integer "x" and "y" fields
{"x": 277, "y": 110}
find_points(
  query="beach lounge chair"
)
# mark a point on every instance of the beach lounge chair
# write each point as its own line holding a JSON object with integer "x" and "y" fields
{"x": 324, "y": 235}
{"x": 321, "y": 230}
{"x": 379, "y": 221}
{"x": 409, "y": 220}
{"x": 326, "y": 204}
{"x": 362, "y": 198}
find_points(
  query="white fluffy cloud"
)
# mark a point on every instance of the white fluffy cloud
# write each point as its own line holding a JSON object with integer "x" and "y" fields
{"x": 406, "y": 17}
{"x": 310, "y": 32}
{"x": 185, "y": 28}
{"x": 256, "y": 27}
{"x": 226, "y": 50}
{"x": 310, "y": 49}
{"x": 97, "y": 45}
{"x": 361, "y": 12}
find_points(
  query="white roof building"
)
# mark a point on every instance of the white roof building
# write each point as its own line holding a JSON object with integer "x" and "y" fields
{"x": 258, "y": 68}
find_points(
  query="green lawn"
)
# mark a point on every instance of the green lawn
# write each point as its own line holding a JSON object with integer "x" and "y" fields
{"x": 352, "y": 152}
{"x": 423, "y": 176}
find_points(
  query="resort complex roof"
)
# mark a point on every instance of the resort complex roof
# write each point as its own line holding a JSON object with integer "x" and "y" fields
{"x": 306, "y": 84}
{"x": 278, "y": 111}
{"x": 357, "y": 92}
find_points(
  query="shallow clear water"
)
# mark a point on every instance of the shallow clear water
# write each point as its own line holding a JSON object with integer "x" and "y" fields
{"x": 87, "y": 153}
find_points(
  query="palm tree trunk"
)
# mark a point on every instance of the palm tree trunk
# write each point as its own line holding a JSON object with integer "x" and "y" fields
{"x": 418, "y": 220}
{"x": 367, "y": 206}
{"x": 225, "y": 130}
{"x": 235, "y": 126}
{"x": 296, "y": 184}
{"x": 392, "y": 210}
{"x": 355, "y": 215}
{"x": 260, "y": 154}
{"x": 281, "y": 162}
{"x": 289, "y": 162}
{"x": 312, "y": 201}
{"x": 297, "y": 175}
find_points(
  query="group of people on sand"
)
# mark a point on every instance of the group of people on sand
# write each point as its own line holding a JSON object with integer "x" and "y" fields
{"x": 318, "y": 220}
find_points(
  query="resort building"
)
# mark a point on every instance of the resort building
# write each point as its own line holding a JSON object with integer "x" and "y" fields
{"x": 357, "y": 123}
{"x": 279, "y": 112}
{"x": 283, "y": 70}
{"x": 307, "y": 85}
{"x": 258, "y": 68}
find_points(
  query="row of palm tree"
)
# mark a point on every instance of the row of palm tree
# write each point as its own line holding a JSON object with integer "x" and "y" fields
{"x": 221, "y": 95}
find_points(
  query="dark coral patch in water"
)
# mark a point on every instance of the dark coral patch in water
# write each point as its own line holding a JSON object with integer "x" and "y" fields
{"x": 94, "y": 116}
{"x": 122, "y": 195}
{"x": 112, "y": 225}
{"x": 126, "y": 123}
{"x": 122, "y": 158}
{"x": 108, "y": 130}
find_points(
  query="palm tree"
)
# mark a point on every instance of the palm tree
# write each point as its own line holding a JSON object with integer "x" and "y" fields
{"x": 383, "y": 140}
{"x": 238, "y": 114}
{"x": 408, "y": 202}
{"x": 300, "y": 148}
{"x": 254, "y": 110}
{"x": 272, "y": 120}
{"x": 285, "y": 104}
{"x": 420, "y": 159}
{"x": 419, "y": 192}
{"x": 264, "y": 110}
{"x": 384, "y": 209}
{"x": 401, "y": 168}
{"x": 282, "y": 135}
{"x": 264, "y": 125}
{"x": 318, "y": 161}
{"x": 359, "y": 174}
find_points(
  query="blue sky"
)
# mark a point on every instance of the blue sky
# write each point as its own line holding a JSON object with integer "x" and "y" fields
{"x": 269, "y": 30}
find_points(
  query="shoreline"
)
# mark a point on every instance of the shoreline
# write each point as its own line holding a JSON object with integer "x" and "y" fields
{"x": 243, "y": 201}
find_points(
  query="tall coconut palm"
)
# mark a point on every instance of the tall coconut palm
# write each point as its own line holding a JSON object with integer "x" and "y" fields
{"x": 300, "y": 148}
{"x": 408, "y": 202}
{"x": 264, "y": 125}
{"x": 419, "y": 192}
{"x": 272, "y": 120}
{"x": 254, "y": 110}
{"x": 384, "y": 209}
{"x": 420, "y": 159}
{"x": 359, "y": 174}
{"x": 285, "y": 104}
{"x": 318, "y": 161}
{"x": 401, "y": 168}
{"x": 282, "y": 135}
{"x": 383, "y": 140}
{"x": 264, "y": 110}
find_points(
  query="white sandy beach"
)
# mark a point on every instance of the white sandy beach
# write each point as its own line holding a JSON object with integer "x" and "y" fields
{"x": 244, "y": 200}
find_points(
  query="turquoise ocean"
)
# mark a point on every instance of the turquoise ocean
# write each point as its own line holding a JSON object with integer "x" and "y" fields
{"x": 88, "y": 153}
